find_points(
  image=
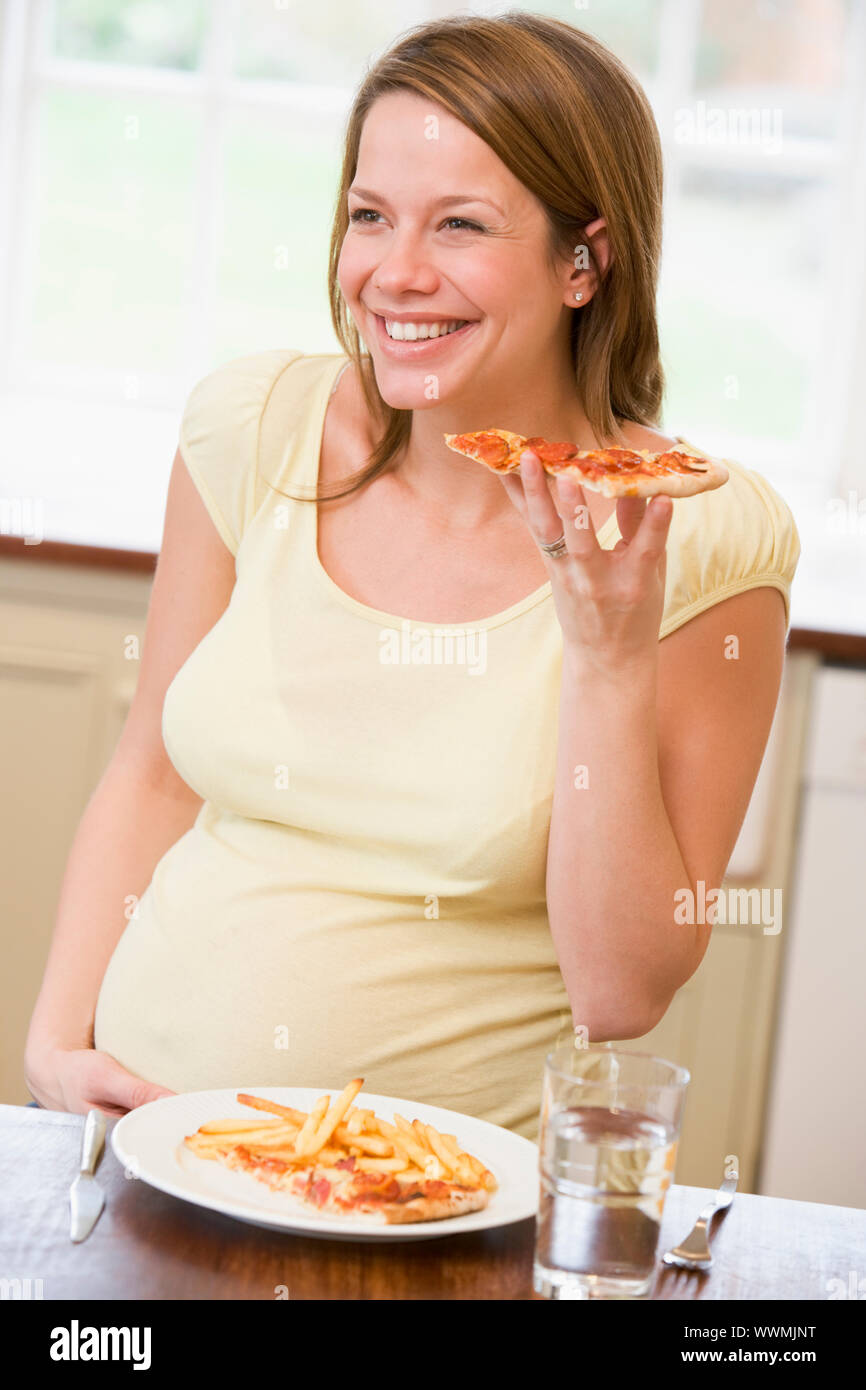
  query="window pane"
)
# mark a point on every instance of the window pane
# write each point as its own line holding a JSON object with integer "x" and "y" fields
{"x": 116, "y": 227}
{"x": 157, "y": 33}
{"x": 326, "y": 43}
{"x": 776, "y": 53}
{"x": 281, "y": 176}
{"x": 741, "y": 304}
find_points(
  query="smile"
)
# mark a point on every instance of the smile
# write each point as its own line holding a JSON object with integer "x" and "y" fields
{"x": 413, "y": 332}
{"x": 408, "y": 340}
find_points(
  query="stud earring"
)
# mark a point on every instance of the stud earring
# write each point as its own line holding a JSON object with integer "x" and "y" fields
{"x": 578, "y": 295}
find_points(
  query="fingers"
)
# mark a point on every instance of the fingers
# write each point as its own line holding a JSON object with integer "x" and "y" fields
{"x": 119, "y": 1090}
{"x": 650, "y": 539}
{"x": 575, "y": 519}
{"x": 551, "y": 509}
{"x": 541, "y": 514}
{"x": 629, "y": 515}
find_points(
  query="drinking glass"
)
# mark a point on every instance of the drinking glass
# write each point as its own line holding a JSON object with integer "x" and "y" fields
{"x": 610, "y": 1124}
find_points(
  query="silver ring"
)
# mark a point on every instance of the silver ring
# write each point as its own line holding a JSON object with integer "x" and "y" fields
{"x": 554, "y": 548}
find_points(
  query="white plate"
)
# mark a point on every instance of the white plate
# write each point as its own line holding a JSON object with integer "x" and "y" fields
{"x": 149, "y": 1143}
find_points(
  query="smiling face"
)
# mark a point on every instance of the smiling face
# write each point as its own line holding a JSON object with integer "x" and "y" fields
{"x": 444, "y": 265}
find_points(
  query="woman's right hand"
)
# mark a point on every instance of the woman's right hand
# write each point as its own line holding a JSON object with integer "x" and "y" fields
{"x": 81, "y": 1079}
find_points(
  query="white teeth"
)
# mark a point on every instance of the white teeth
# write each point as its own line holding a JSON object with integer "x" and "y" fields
{"x": 415, "y": 332}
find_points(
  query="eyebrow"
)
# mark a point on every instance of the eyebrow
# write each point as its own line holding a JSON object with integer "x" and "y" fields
{"x": 449, "y": 200}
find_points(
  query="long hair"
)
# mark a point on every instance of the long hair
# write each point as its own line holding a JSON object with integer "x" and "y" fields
{"x": 573, "y": 124}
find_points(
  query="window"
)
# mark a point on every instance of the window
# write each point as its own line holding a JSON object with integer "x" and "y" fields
{"x": 169, "y": 168}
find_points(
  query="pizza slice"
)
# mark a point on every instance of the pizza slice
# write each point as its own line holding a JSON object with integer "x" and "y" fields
{"x": 613, "y": 472}
{"x": 342, "y": 1160}
{"x": 341, "y": 1189}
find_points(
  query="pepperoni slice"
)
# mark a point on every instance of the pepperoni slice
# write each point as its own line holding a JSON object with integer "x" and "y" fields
{"x": 485, "y": 447}
{"x": 551, "y": 453}
{"x": 618, "y": 460}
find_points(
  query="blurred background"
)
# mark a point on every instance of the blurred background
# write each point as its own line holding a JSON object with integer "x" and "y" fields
{"x": 168, "y": 171}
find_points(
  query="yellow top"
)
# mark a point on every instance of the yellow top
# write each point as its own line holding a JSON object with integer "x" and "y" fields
{"x": 363, "y": 890}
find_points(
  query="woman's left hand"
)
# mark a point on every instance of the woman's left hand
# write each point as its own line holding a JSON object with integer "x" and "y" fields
{"x": 609, "y": 602}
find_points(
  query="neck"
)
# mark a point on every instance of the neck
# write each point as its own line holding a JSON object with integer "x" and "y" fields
{"x": 456, "y": 486}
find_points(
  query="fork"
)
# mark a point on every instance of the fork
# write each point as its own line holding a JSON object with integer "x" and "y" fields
{"x": 694, "y": 1252}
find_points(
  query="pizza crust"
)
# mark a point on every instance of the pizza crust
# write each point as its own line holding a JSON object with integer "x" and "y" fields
{"x": 455, "y": 1203}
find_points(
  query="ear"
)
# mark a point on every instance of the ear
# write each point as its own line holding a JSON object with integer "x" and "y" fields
{"x": 583, "y": 279}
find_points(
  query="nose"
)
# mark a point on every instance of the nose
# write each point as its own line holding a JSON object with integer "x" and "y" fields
{"x": 405, "y": 265}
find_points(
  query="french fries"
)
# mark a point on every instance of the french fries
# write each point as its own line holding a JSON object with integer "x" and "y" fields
{"x": 231, "y": 1126}
{"x": 331, "y": 1133}
{"x": 335, "y": 1114}
{"x": 296, "y": 1117}
{"x": 306, "y": 1134}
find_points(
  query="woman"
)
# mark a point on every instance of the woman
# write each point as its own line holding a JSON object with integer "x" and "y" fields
{"x": 359, "y": 857}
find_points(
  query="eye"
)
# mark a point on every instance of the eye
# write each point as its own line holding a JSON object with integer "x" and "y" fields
{"x": 361, "y": 215}
{"x": 466, "y": 223}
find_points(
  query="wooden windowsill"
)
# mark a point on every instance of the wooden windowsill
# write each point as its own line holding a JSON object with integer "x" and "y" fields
{"x": 71, "y": 553}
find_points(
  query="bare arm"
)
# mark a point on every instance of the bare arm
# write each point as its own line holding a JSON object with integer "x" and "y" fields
{"x": 672, "y": 755}
{"x": 139, "y": 808}
{"x": 659, "y": 748}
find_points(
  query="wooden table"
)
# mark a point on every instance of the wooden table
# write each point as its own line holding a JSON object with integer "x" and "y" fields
{"x": 147, "y": 1245}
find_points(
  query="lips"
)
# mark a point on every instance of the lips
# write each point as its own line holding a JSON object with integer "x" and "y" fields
{"x": 409, "y": 349}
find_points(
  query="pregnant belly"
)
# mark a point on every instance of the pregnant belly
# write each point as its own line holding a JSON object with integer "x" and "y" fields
{"x": 211, "y": 989}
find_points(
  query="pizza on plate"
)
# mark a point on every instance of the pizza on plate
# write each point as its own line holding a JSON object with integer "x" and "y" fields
{"x": 612, "y": 472}
{"x": 341, "y": 1160}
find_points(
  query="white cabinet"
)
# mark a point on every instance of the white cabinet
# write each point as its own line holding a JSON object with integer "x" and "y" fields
{"x": 815, "y": 1138}
{"x": 67, "y": 677}
{"x": 720, "y": 1023}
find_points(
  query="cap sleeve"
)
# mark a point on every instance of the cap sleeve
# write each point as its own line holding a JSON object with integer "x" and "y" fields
{"x": 219, "y": 434}
{"x": 737, "y": 537}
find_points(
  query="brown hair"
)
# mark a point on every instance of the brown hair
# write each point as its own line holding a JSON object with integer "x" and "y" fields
{"x": 573, "y": 124}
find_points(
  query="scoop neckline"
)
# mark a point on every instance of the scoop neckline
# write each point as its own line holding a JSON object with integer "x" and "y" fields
{"x": 379, "y": 615}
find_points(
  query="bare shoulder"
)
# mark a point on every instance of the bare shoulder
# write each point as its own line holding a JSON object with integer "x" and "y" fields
{"x": 643, "y": 437}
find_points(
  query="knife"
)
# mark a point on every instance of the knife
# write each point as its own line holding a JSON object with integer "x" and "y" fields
{"x": 86, "y": 1198}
